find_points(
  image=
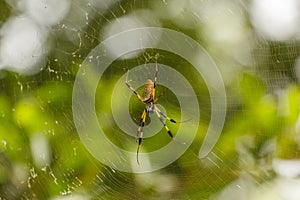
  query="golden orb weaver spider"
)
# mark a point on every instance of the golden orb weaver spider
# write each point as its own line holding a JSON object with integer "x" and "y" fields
{"x": 148, "y": 99}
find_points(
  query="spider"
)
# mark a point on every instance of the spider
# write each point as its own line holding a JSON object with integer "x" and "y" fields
{"x": 148, "y": 99}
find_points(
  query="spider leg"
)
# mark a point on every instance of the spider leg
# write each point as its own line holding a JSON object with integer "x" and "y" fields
{"x": 162, "y": 121}
{"x": 155, "y": 75}
{"x": 132, "y": 89}
{"x": 165, "y": 116}
{"x": 139, "y": 134}
{"x": 142, "y": 123}
{"x": 160, "y": 95}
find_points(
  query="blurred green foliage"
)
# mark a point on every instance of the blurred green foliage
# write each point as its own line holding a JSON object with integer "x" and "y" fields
{"x": 260, "y": 125}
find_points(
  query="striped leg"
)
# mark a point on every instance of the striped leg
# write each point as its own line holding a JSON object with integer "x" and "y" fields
{"x": 165, "y": 126}
{"x": 132, "y": 89}
{"x": 139, "y": 134}
{"x": 165, "y": 116}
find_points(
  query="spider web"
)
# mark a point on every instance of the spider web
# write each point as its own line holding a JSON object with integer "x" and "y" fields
{"x": 42, "y": 156}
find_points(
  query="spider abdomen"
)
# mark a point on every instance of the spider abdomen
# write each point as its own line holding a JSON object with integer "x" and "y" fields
{"x": 148, "y": 92}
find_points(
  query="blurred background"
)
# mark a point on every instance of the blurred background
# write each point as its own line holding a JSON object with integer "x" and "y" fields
{"x": 255, "y": 45}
